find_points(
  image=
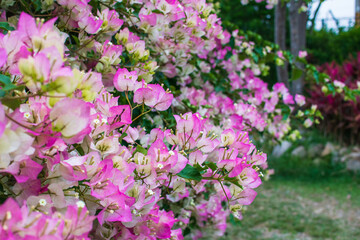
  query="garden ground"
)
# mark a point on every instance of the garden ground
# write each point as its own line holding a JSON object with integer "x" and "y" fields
{"x": 303, "y": 201}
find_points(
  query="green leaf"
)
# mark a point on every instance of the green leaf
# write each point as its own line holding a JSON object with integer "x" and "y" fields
{"x": 286, "y": 116}
{"x": 211, "y": 165}
{"x": 255, "y": 57}
{"x": 189, "y": 105}
{"x": 189, "y": 172}
{"x": 331, "y": 88}
{"x": 6, "y": 27}
{"x": 234, "y": 181}
{"x": 302, "y": 60}
{"x": 228, "y": 55}
{"x": 79, "y": 149}
{"x": 200, "y": 168}
{"x": 13, "y": 103}
{"x": 6, "y": 84}
{"x": 219, "y": 88}
{"x": 296, "y": 73}
{"x": 37, "y": 4}
{"x": 140, "y": 149}
{"x": 207, "y": 106}
{"x": 316, "y": 76}
{"x": 76, "y": 39}
{"x": 5, "y": 80}
{"x": 122, "y": 136}
{"x": 157, "y": 11}
{"x": 232, "y": 42}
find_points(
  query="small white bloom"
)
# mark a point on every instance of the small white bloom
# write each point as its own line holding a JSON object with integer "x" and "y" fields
{"x": 160, "y": 166}
{"x": 27, "y": 115}
{"x": 80, "y": 204}
{"x": 96, "y": 121}
{"x": 339, "y": 84}
{"x": 150, "y": 192}
{"x": 171, "y": 153}
{"x": 42, "y": 202}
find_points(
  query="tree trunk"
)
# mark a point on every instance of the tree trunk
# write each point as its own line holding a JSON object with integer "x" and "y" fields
{"x": 303, "y": 19}
{"x": 280, "y": 39}
{"x": 298, "y": 40}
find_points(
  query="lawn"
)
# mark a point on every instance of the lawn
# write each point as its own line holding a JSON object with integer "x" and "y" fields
{"x": 303, "y": 201}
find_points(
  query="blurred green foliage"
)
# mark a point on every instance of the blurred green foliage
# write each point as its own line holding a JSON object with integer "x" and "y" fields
{"x": 327, "y": 45}
{"x": 251, "y": 17}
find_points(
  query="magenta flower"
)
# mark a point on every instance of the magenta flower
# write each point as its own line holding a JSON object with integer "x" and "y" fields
{"x": 10, "y": 215}
{"x": 78, "y": 222}
{"x": 116, "y": 208}
{"x": 90, "y": 24}
{"x": 119, "y": 116}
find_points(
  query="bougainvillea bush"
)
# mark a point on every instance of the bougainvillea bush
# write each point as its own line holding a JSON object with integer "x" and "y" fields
{"x": 130, "y": 120}
{"x": 341, "y": 114}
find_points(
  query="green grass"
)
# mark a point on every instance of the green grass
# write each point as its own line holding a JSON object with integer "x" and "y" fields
{"x": 303, "y": 200}
{"x": 298, "y": 210}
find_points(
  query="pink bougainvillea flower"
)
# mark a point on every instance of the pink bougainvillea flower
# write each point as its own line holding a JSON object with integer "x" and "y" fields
{"x": 10, "y": 215}
{"x": 90, "y": 24}
{"x": 303, "y": 54}
{"x": 73, "y": 169}
{"x": 228, "y": 137}
{"x": 125, "y": 80}
{"x": 2, "y": 120}
{"x": 146, "y": 95}
{"x": 164, "y": 101}
{"x": 148, "y": 19}
{"x": 3, "y": 56}
{"x": 153, "y": 95}
{"x": 250, "y": 178}
{"x": 300, "y": 100}
{"x": 116, "y": 208}
{"x": 31, "y": 29}
{"x": 78, "y": 221}
{"x": 119, "y": 116}
{"x": 246, "y": 197}
{"x": 111, "y": 21}
{"x": 70, "y": 116}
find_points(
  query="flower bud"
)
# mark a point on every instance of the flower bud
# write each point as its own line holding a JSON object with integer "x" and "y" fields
{"x": 324, "y": 89}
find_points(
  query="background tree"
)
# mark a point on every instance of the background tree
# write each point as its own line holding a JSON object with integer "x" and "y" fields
{"x": 286, "y": 25}
{"x": 280, "y": 39}
{"x": 298, "y": 17}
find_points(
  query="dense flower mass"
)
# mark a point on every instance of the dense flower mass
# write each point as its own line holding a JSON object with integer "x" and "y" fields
{"x": 130, "y": 120}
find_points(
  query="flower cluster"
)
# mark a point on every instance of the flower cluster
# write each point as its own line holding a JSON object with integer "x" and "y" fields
{"x": 130, "y": 120}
